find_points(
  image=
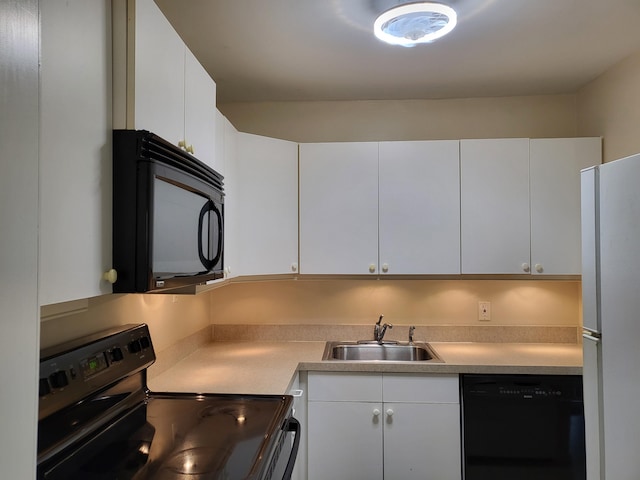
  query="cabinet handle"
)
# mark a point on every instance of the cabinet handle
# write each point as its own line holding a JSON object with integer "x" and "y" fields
{"x": 376, "y": 412}
{"x": 526, "y": 267}
{"x": 294, "y": 267}
{"x": 385, "y": 267}
{"x": 110, "y": 276}
{"x": 297, "y": 393}
{"x": 190, "y": 149}
{"x": 539, "y": 268}
{"x": 182, "y": 144}
{"x": 372, "y": 268}
{"x": 389, "y": 413}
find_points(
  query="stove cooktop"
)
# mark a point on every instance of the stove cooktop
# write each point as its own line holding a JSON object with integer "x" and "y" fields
{"x": 103, "y": 423}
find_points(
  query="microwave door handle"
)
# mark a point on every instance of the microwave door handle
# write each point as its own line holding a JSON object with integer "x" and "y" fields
{"x": 218, "y": 213}
{"x": 206, "y": 262}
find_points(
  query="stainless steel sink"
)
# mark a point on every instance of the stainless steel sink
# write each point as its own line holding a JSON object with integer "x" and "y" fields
{"x": 385, "y": 352}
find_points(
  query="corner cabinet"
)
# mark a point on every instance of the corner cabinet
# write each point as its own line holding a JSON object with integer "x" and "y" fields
{"x": 383, "y": 426}
{"x": 520, "y": 204}
{"x": 75, "y": 150}
{"x": 266, "y": 205}
{"x": 159, "y": 84}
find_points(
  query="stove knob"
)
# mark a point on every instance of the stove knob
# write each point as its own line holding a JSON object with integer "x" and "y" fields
{"x": 145, "y": 342}
{"x": 116, "y": 354}
{"x": 59, "y": 379}
{"x": 44, "y": 388}
{"x": 135, "y": 347}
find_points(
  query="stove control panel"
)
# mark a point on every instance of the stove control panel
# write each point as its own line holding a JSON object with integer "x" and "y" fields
{"x": 73, "y": 370}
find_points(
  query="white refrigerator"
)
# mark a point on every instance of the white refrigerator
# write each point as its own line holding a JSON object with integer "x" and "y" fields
{"x": 611, "y": 315}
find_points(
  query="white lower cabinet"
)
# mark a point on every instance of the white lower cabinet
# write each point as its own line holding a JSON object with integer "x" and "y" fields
{"x": 383, "y": 426}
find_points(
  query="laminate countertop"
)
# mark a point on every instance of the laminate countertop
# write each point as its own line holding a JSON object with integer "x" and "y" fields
{"x": 270, "y": 367}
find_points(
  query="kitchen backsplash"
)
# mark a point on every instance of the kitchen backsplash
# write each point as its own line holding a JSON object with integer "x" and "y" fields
{"x": 444, "y": 306}
{"x": 420, "y": 302}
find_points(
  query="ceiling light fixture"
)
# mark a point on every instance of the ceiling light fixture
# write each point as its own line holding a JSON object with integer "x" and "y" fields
{"x": 413, "y": 23}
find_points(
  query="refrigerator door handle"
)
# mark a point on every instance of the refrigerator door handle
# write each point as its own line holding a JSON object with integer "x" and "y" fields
{"x": 592, "y": 335}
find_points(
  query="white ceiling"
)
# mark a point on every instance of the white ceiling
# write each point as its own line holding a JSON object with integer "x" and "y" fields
{"x": 261, "y": 50}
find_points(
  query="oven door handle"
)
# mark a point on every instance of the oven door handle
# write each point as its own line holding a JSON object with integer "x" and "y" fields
{"x": 293, "y": 426}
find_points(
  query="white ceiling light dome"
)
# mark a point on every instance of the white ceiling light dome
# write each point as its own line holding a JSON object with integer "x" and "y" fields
{"x": 413, "y": 23}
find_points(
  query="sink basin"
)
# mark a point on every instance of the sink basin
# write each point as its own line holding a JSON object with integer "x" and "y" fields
{"x": 386, "y": 352}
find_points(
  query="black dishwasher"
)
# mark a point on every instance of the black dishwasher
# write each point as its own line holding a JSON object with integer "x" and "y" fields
{"x": 525, "y": 427}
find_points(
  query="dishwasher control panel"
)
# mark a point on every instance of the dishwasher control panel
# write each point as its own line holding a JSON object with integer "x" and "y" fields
{"x": 552, "y": 387}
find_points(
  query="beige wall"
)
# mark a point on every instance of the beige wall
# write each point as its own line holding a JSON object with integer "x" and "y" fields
{"x": 170, "y": 317}
{"x": 419, "y": 302}
{"x": 610, "y": 107}
{"x": 536, "y": 116}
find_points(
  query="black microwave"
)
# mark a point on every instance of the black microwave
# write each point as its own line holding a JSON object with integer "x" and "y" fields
{"x": 168, "y": 216}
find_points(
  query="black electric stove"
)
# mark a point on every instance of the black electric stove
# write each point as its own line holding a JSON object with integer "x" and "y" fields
{"x": 98, "y": 420}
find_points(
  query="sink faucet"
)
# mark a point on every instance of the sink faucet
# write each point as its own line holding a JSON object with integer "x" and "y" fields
{"x": 411, "y": 330}
{"x": 380, "y": 330}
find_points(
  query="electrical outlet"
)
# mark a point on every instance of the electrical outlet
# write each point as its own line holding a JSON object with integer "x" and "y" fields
{"x": 484, "y": 311}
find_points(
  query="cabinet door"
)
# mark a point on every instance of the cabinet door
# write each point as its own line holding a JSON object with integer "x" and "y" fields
{"x": 339, "y": 208}
{"x": 345, "y": 441}
{"x": 419, "y": 205}
{"x": 422, "y": 426}
{"x": 231, "y": 196}
{"x": 422, "y": 441}
{"x": 494, "y": 185}
{"x": 75, "y": 150}
{"x": 200, "y": 112}
{"x": 159, "y": 74}
{"x": 268, "y": 201}
{"x": 555, "y": 165}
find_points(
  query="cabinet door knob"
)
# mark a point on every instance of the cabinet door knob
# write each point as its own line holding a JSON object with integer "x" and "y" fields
{"x": 182, "y": 144}
{"x": 294, "y": 267}
{"x": 372, "y": 268}
{"x": 376, "y": 412}
{"x": 190, "y": 149}
{"x": 539, "y": 268}
{"x": 385, "y": 267}
{"x": 526, "y": 267}
{"x": 389, "y": 412}
{"x": 110, "y": 276}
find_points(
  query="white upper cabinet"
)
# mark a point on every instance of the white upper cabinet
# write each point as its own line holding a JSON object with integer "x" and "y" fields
{"x": 494, "y": 186}
{"x": 267, "y": 205}
{"x": 521, "y": 204}
{"x": 173, "y": 96}
{"x": 200, "y": 126}
{"x": 228, "y": 143}
{"x": 75, "y": 150}
{"x": 159, "y": 74}
{"x": 555, "y": 166}
{"x": 419, "y": 207}
{"x": 339, "y": 208}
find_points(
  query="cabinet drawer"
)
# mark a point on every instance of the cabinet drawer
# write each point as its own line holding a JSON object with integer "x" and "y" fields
{"x": 420, "y": 388}
{"x": 345, "y": 387}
